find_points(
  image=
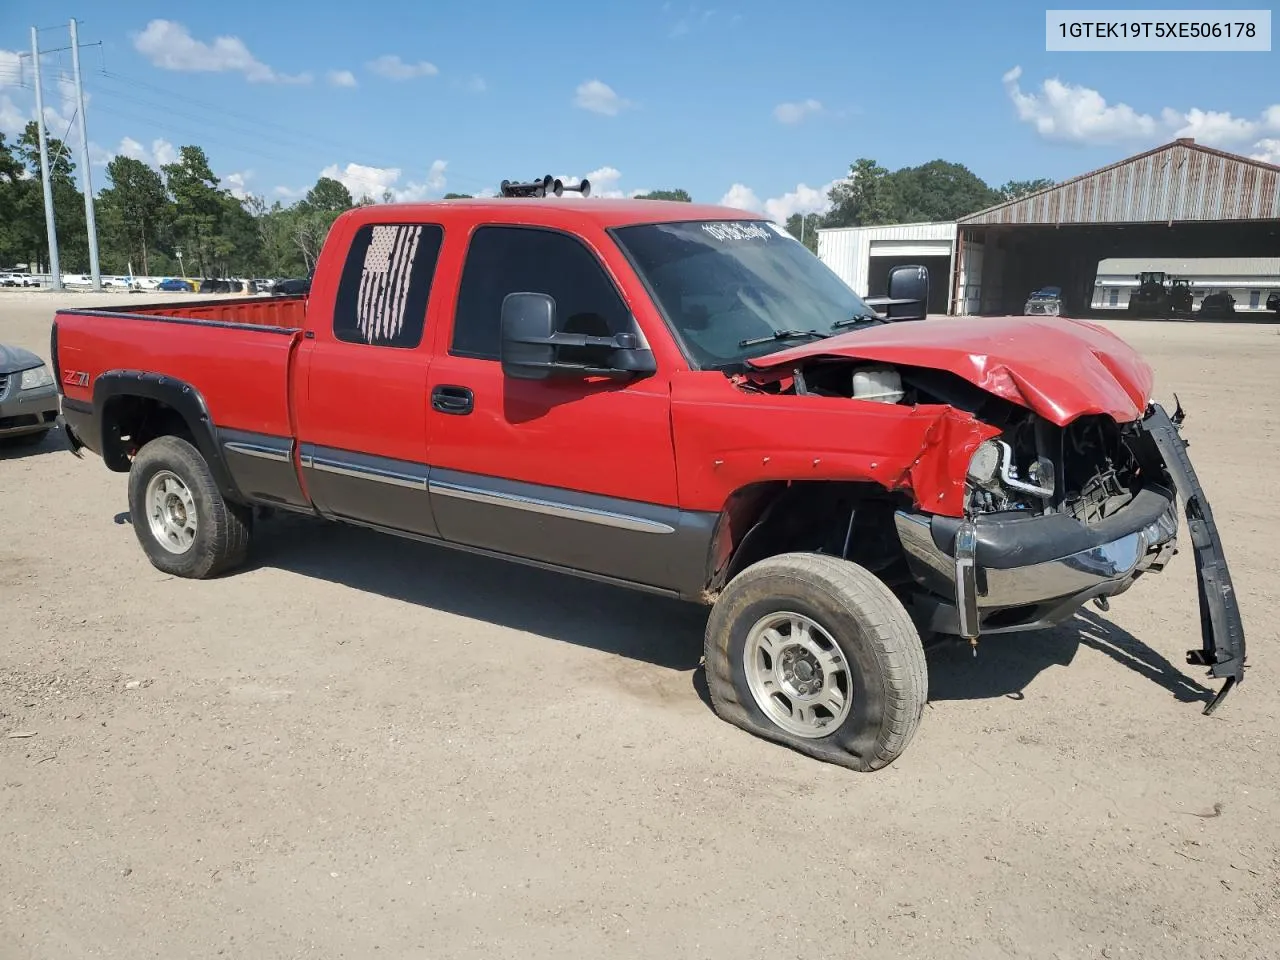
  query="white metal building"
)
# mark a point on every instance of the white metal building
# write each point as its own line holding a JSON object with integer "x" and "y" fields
{"x": 862, "y": 256}
{"x": 1248, "y": 279}
{"x": 1180, "y": 202}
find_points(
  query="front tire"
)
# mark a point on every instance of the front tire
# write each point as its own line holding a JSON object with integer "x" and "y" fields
{"x": 816, "y": 653}
{"x": 184, "y": 524}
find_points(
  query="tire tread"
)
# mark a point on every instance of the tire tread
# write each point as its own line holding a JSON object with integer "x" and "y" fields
{"x": 891, "y": 635}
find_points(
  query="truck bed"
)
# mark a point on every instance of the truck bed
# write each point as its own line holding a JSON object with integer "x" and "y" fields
{"x": 267, "y": 311}
{"x": 234, "y": 352}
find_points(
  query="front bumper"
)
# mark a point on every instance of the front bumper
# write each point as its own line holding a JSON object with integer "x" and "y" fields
{"x": 27, "y": 411}
{"x": 998, "y": 573}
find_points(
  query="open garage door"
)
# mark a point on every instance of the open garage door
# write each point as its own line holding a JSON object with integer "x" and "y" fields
{"x": 938, "y": 265}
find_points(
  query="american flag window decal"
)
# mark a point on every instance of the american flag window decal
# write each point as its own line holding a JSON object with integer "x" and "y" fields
{"x": 383, "y": 296}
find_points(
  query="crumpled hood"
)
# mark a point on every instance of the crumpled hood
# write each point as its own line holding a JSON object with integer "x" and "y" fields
{"x": 1062, "y": 369}
{"x": 13, "y": 359}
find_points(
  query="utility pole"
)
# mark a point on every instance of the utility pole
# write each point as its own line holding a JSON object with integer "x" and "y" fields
{"x": 94, "y": 272}
{"x": 55, "y": 270}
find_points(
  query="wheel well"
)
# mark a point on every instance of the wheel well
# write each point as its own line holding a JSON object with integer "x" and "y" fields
{"x": 848, "y": 519}
{"x": 128, "y": 422}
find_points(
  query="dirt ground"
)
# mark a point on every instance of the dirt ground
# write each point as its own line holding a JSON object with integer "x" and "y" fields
{"x": 362, "y": 747}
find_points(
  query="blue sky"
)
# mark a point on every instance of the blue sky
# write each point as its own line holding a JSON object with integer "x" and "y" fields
{"x": 757, "y": 104}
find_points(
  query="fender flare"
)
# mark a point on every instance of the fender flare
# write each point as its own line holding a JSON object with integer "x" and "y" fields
{"x": 179, "y": 396}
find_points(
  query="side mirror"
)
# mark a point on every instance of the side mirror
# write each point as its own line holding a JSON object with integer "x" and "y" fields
{"x": 532, "y": 339}
{"x": 908, "y": 297}
{"x": 909, "y": 286}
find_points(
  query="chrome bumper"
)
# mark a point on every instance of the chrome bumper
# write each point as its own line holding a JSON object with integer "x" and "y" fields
{"x": 973, "y": 599}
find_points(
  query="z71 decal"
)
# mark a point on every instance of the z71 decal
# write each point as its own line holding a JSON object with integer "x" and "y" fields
{"x": 75, "y": 378}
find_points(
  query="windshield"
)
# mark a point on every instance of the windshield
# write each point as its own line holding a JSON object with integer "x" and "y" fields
{"x": 722, "y": 283}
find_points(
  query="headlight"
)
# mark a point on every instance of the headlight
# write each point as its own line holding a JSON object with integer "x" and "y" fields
{"x": 984, "y": 463}
{"x": 36, "y": 377}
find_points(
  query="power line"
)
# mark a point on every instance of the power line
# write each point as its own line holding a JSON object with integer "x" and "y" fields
{"x": 278, "y": 130}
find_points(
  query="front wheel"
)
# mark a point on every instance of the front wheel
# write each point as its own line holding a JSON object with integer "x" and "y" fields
{"x": 185, "y": 525}
{"x": 816, "y": 653}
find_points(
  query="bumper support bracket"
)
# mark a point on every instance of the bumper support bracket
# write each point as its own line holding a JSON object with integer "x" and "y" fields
{"x": 1222, "y": 647}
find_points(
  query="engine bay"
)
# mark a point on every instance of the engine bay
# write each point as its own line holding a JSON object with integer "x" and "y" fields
{"x": 1088, "y": 469}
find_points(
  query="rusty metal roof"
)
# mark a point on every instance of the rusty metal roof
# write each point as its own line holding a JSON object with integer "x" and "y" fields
{"x": 1179, "y": 181}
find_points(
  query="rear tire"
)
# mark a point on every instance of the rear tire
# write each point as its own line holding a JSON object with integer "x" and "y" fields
{"x": 184, "y": 524}
{"x": 817, "y": 654}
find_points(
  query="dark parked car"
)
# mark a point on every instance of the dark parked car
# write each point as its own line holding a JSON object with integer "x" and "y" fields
{"x": 1273, "y": 301}
{"x": 291, "y": 287}
{"x": 173, "y": 283}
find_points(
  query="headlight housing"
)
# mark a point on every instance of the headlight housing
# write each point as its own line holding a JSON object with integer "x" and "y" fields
{"x": 985, "y": 463}
{"x": 36, "y": 377}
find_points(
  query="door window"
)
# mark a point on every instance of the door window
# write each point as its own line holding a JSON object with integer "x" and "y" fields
{"x": 503, "y": 260}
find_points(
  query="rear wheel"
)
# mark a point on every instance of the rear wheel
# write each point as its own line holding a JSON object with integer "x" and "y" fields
{"x": 184, "y": 524}
{"x": 816, "y": 653}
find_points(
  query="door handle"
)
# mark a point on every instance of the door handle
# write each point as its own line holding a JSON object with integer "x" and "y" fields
{"x": 450, "y": 399}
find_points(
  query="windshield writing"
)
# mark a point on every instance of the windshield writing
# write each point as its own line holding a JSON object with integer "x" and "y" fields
{"x": 739, "y": 288}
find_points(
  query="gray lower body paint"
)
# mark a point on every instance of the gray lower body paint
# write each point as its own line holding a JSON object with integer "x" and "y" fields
{"x": 650, "y": 546}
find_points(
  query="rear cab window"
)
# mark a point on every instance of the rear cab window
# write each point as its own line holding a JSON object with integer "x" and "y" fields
{"x": 386, "y": 283}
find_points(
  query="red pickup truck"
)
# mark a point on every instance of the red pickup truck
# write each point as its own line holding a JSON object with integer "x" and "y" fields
{"x": 672, "y": 397}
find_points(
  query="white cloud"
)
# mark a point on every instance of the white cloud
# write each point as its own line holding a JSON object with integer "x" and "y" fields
{"x": 341, "y": 78}
{"x": 162, "y": 152}
{"x": 10, "y": 68}
{"x": 599, "y": 97}
{"x": 157, "y": 155}
{"x": 742, "y": 197}
{"x": 795, "y": 112}
{"x": 803, "y": 199}
{"x": 1210, "y": 126}
{"x": 363, "y": 181}
{"x": 1268, "y": 151}
{"x": 390, "y": 65}
{"x": 435, "y": 175}
{"x": 170, "y": 46}
{"x": 1075, "y": 114}
{"x": 237, "y": 183}
{"x": 473, "y": 84}
{"x": 12, "y": 120}
{"x": 604, "y": 184}
{"x": 288, "y": 193}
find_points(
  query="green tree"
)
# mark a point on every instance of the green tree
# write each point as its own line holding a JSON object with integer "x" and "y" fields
{"x": 862, "y": 199}
{"x": 804, "y": 227}
{"x": 11, "y": 232}
{"x": 132, "y": 213}
{"x": 937, "y": 191}
{"x": 327, "y": 196}
{"x": 677, "y": 194}
{"x": 68, "y": 204}
{"x": 195, "y": 193}
{"x": 458, "y": 196}
{"x": 1020, "y": 188}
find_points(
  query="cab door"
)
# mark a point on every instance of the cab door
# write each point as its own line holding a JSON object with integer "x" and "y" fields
{"x": 361, "y": 380}
{"x": 579, "y": 473}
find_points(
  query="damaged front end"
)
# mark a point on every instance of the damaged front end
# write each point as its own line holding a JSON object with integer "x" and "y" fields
{"x": 1057, "y": 516}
